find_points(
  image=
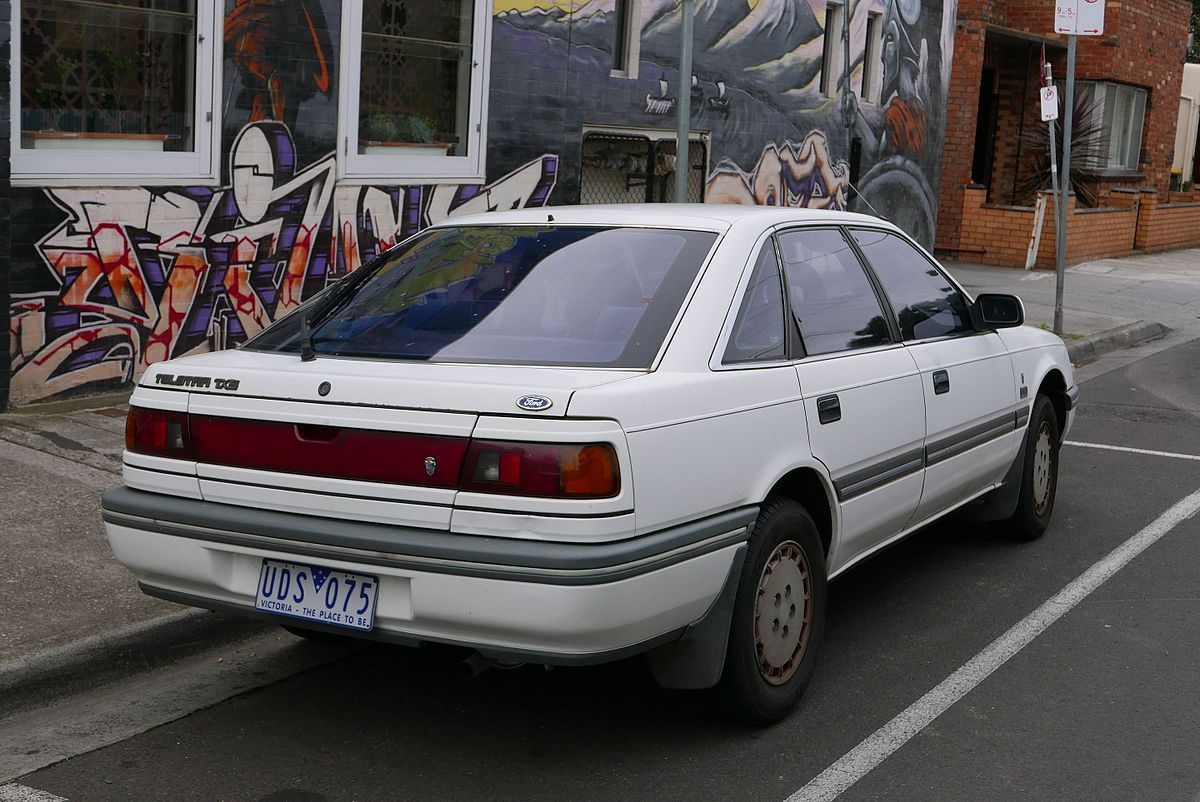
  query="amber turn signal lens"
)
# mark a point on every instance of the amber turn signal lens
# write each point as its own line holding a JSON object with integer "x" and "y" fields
{"x": 592, "y": 472}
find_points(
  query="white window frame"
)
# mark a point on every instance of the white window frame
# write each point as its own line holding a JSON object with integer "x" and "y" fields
{"x": 362, "y": 168}
{"x": 871, "y": 82}
{"x": 96, "y": 167}
{"x": 1139, "y": 101}
{"x": 832, "y": 49}
{"x": 633, "y": 41}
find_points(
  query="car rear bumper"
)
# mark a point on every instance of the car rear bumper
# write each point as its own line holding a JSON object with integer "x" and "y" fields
{"x": 552, "y": 602}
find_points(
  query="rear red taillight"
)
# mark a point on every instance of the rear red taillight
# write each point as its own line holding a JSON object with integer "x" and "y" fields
{"x": 338, "y": 452}
{"x": 545, "y": 470}
{"x": 158, "y": 433}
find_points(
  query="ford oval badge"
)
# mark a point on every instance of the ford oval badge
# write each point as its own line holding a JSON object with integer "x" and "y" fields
{"x": 534, "y": 403}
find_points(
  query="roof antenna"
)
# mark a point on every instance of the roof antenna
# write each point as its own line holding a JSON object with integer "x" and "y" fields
{"x": 549, "y": 218}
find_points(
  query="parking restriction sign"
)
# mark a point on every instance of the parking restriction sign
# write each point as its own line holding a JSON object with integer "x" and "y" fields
{"x": 1079, "y": 17}
{"x": 1049, "y": 96}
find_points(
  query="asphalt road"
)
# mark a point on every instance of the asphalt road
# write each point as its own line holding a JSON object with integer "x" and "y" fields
{"x": 1104, "y": 704}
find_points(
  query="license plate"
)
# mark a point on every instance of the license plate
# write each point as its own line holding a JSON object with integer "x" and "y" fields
{"x": 339, "y": 598}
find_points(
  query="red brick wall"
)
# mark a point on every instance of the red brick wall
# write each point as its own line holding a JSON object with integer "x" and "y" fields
{"x": 999, "y": 235}
{"x": 1167, "y": 225}
{"x": 1143, "y": 45}
{"x": 962, "y": 105}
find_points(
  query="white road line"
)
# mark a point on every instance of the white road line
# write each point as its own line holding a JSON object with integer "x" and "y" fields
{"x": 860, "y": 760}
{"x": 1128, "y": 450}
{"x": 15, "y": 792}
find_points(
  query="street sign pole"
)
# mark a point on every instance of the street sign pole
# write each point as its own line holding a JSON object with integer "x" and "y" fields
{"x": 1065, "y": 186}
{"x": 1074, "y": 18}
{"x": 683, "y": 130}
{"x": 1058, "y": 226}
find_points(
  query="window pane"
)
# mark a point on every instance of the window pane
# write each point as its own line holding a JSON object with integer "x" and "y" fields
{"x": 926, "y": 303}
{"x": 547, "y": 295}
{"x": 415, "y": 77}
{"x": 758, "y": 333}
{"x": 831, "y": 296}
{"x": 620, "y": 17}
{"x": 113, "y": 75}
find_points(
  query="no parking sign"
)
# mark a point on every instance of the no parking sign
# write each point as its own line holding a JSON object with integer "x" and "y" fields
{"x": 1049, "y": 95}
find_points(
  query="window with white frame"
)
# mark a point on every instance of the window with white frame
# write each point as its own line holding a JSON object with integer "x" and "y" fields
{"x": 414, "y": 89}
{"x": 1118, "y": 119}
{"x": 831, "y": 57}
{"x": 872, "y": 71}
{"x": 626, "y": 24}
{"x": 114, "y": 91}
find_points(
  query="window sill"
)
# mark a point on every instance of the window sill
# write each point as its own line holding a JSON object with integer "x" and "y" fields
{"x": 151, "y": 180}
{"x": 1121, "y": 175}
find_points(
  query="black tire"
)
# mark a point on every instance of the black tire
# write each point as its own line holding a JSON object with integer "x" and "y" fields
{"x": 767, "y": 671}
{"x": 1039, "y": 474}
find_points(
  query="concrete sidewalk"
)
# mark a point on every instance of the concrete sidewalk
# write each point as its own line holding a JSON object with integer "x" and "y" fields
{"x": 72, "y": 611}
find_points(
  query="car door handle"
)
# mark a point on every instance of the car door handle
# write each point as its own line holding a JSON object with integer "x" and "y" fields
{"x": 829, "y": 409}
{"x": 941, "y": 382}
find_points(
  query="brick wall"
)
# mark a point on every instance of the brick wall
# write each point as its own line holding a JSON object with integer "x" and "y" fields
{"x": 962, "y": 105}
{"x": 1162, "y": 226}
{"x": 1000, "y": 235}
{"x": 1143, "y": 45}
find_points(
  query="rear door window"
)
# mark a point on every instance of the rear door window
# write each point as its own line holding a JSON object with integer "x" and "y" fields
{"x": 833, "y": 300}
{"x": 532, "y": 295}
{"x": 759, "y": 333}
{"x": 926, "y": 302}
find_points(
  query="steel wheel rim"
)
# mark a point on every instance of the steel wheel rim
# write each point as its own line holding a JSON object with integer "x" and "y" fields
{"x": 1043, "y": 477}
{"x": 783, "y": 613}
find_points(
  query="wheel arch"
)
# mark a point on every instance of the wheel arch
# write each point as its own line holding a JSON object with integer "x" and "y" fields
{"x": 1054, "y": 387}
{"x": 814, "y": 492}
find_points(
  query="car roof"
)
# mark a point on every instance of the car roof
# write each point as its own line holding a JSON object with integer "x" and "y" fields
{"x": 704, "y": 216}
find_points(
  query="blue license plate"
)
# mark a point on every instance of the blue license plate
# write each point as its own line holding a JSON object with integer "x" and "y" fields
{"x": 325, "y": 595}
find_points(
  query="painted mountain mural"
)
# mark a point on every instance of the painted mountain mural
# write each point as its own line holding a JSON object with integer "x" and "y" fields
{"x": 777, "y": 135}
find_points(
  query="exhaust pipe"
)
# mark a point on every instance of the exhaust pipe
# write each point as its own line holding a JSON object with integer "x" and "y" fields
{"x": 470, "y": 668}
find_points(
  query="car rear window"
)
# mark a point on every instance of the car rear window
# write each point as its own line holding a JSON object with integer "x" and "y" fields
{"x": 531, "y": 295}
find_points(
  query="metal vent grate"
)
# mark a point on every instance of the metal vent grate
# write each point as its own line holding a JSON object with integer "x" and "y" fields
{"x": 629, "y": 168}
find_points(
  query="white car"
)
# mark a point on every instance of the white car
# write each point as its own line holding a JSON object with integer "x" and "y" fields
{"x": 570, "y": 435}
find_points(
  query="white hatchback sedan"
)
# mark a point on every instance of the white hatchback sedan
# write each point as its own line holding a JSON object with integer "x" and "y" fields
{"x": 570, "y": 435}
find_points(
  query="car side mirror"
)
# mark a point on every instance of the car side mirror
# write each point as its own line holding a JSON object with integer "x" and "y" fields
{"x": 997, "y": 311}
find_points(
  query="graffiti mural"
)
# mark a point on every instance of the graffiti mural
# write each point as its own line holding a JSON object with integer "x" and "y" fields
{"x": 786, "y": 126}
{"x": 147, "y": 274}
{"x": 790, "y": 174}
{"x": 279, "y": 73}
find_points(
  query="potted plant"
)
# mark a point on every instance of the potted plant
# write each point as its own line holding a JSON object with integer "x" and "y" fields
{"x": 401, "y": 135}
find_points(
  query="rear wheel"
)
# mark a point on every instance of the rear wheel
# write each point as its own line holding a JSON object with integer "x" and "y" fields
{"x": 778, "y": 616}
{"x": 1039, "y": 476}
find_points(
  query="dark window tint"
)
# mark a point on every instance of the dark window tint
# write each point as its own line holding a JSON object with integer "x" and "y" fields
{"x": 925, "y": 301}
{"x": 758, "y": 333}
{"x": 532, "y": 295}
{"x": 831, "y": 296}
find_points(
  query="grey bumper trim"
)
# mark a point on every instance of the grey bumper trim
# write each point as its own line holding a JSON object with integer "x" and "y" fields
{"x": 402, "y": 639}
{"x": 1072, "y": 395}
{"x": 425, "y": 549}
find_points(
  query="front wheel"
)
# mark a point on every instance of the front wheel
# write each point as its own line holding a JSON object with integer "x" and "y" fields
{"x": 1039, "y": 474}
{"x": 778, "y": 616}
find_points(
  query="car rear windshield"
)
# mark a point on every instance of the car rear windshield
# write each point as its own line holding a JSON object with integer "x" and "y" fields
{"x": 531, "y": 295}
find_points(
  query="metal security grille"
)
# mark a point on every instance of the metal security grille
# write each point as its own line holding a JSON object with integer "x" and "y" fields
{"x": 633, "y": 168}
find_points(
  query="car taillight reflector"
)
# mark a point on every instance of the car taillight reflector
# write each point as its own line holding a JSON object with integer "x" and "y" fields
{"x": 158, "y": 433}
{"x": 546, "y": 470}
{"x": 336, "y": 452}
